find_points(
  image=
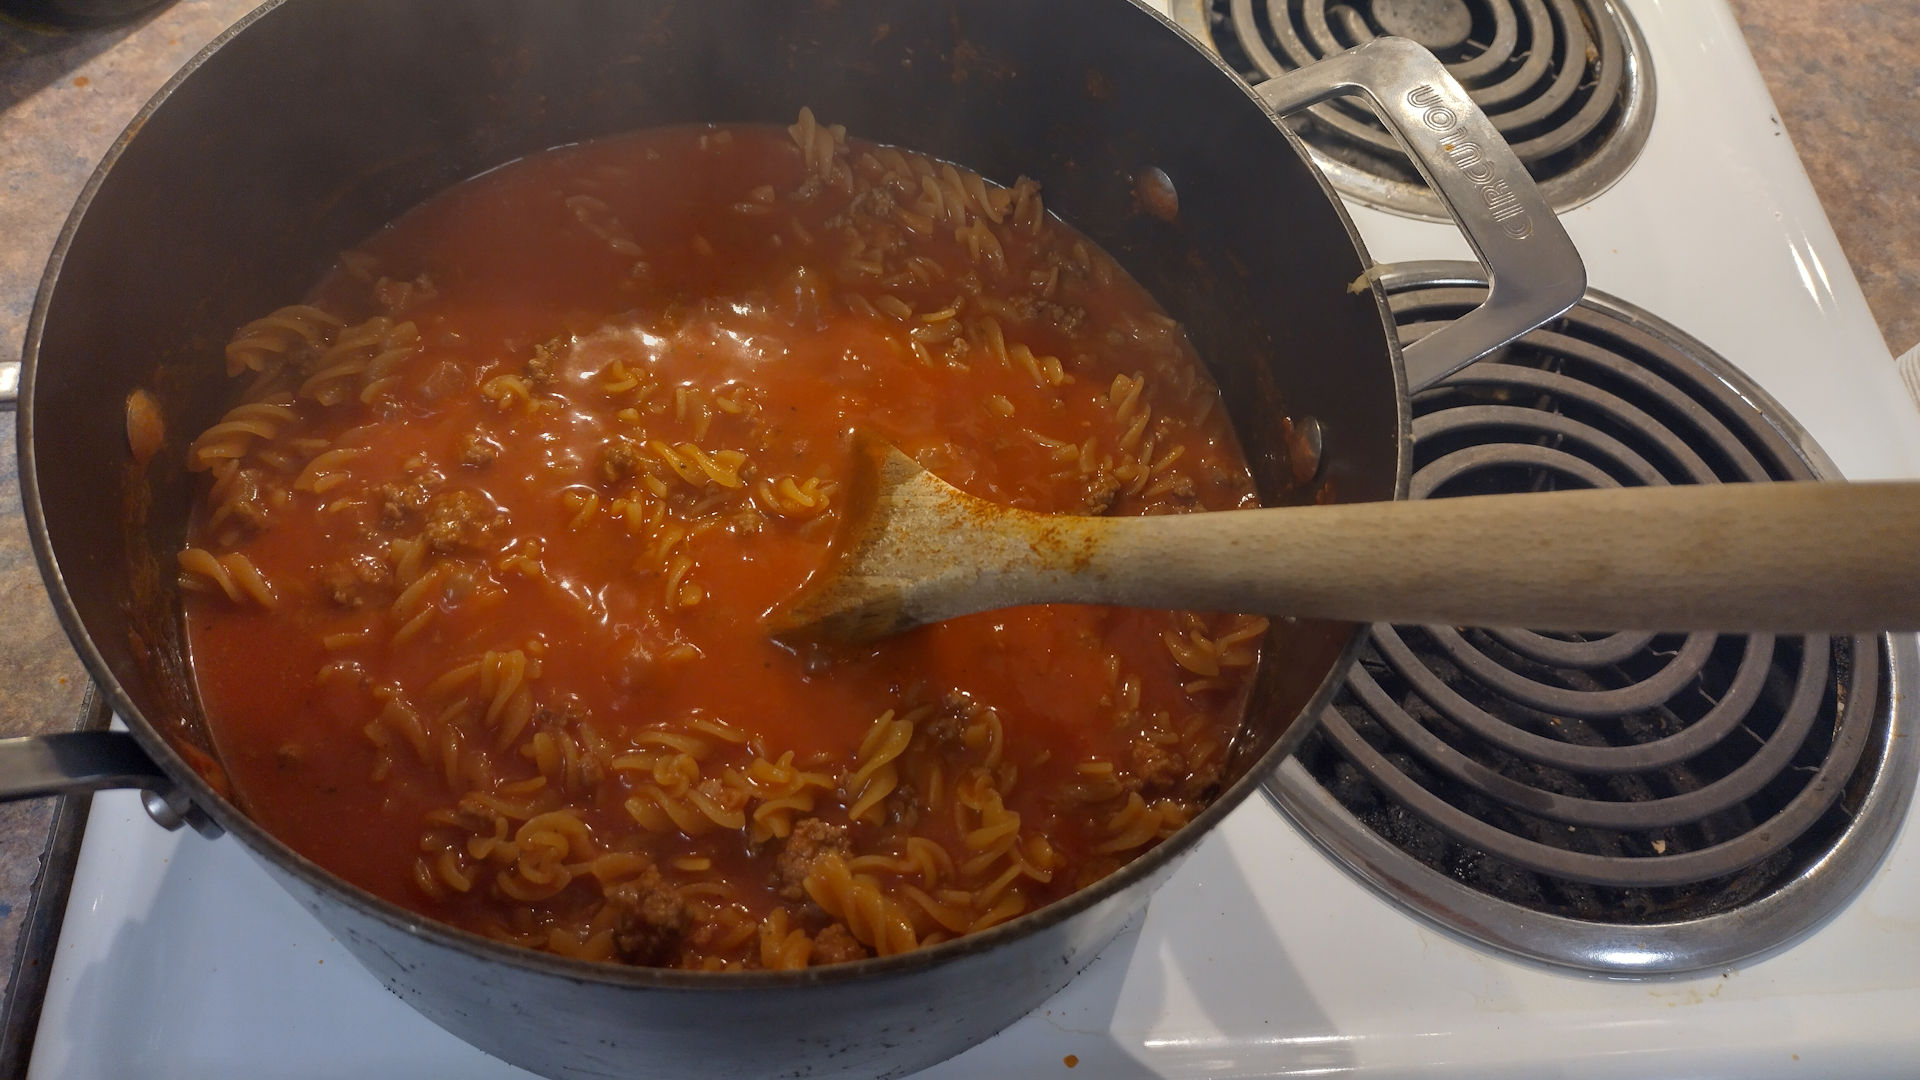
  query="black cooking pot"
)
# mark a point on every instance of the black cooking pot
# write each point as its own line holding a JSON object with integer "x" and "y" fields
{"x": 311, "y": 124}
{"x": 74, "y": 13}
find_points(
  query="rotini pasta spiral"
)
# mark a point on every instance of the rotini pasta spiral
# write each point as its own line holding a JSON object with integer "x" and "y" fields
{"x": 233, "y": 575}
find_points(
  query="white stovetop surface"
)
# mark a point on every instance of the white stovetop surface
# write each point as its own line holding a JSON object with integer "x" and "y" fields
{"x": 1259, "y": 958}
{"x": 180, "y": 958}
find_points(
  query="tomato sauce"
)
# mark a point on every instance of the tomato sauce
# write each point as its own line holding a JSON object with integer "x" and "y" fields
{"x": 738, "y": 296}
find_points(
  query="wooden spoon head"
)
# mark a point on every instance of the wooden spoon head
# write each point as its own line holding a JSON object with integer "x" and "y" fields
{"x": 853, "y": 598}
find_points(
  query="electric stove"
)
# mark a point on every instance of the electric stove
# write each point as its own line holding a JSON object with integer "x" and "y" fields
{"x": 1502, "y": 853}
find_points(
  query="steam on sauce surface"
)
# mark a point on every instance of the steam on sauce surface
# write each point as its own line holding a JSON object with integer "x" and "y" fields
{"x": 476, "y": 588}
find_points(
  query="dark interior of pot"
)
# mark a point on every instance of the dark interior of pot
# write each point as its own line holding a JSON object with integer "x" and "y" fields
{"x": 320, "y": 122}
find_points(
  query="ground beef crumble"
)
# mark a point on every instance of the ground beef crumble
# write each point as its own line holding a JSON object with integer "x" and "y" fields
{"x": 903, "y": 806}
{"x": 1157, "y": 767}
{"x": 542, "y": 365}
{"x": 352, "y": 582}
{"x": 403, "y": 500}
{"x": 457, "y": 520}
{"x": 620, "y": 460}
{"x": 810, "y": 840}
{"x": 250, "y": 498}
{"x": 1101, "y": 494}
{"x": 477, "y": 451}
{"x": 876, "y": 203}
{"x": 1026, "y": 308}
{"x": 1063, "y": 317}
{"x": 836, "y": 945}
{"x": 950, "y": 720}
{"x": 650, "y": 919}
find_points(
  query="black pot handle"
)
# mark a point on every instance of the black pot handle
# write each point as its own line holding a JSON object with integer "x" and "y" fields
{"x": 82, "y": 761}
{"x": 1534, "y": 272}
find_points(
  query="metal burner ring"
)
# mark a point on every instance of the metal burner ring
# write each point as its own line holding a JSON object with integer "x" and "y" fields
{"x": 1762, "y": 777}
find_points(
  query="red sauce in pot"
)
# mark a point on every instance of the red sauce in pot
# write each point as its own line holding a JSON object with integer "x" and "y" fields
{"x": 479, "y": 580}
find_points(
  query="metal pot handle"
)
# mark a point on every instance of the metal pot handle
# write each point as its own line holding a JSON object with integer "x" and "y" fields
{"x": 81, "y": 761}
{"x": 1534, "y": 273}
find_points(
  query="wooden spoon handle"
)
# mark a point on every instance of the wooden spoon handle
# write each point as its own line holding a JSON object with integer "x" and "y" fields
{"x": 1810, "y": 557}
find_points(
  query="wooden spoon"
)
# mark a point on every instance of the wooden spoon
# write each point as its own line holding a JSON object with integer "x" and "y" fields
{"x": 1790, "y": 557}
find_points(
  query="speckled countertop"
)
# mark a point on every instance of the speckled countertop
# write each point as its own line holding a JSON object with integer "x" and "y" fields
{"x": 1845, "y": 77}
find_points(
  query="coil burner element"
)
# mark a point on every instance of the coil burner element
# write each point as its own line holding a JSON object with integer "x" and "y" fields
{"x": 1641, "y": 802}
{"x": 1566, "y": 82}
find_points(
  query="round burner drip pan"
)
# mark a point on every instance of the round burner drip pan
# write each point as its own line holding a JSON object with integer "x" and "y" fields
{"x": 1566, "y": 83}
{"x": 1630, "y": 802}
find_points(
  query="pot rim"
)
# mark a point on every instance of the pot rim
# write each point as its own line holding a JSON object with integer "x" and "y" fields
{"x": 264, "y": 845}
